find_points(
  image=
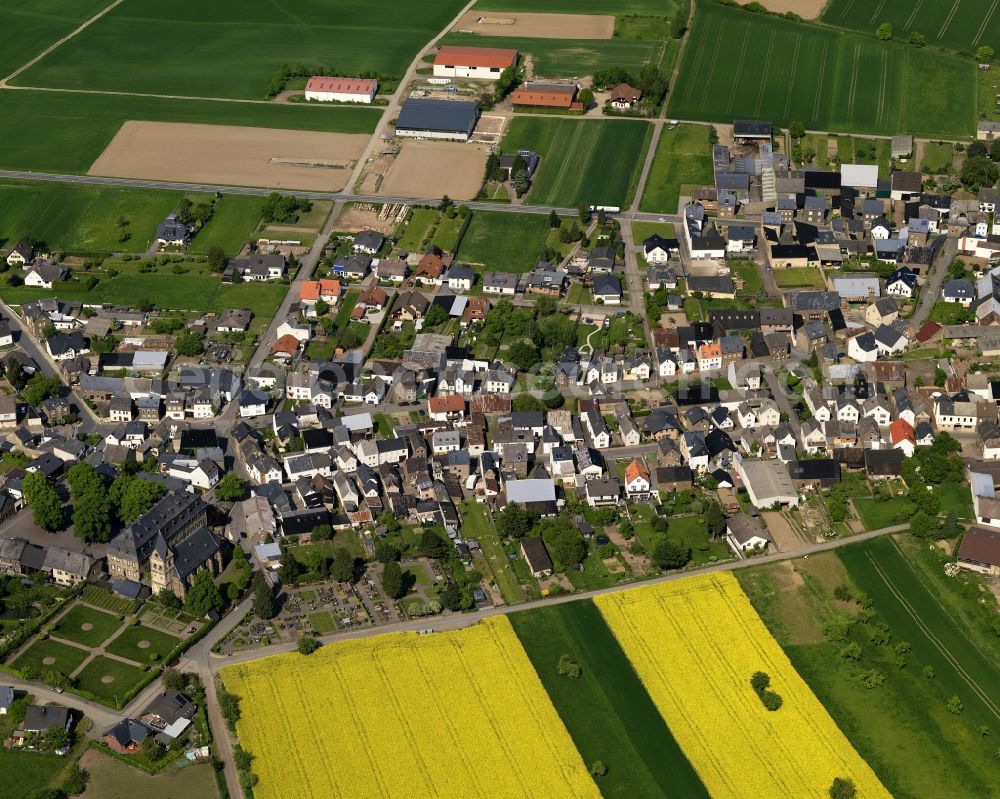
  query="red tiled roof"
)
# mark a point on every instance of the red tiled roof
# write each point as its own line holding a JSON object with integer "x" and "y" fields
{"x": 636, "y": 469}
{"x": 450, "y": 404}
{"x": 927, "y": 331}
{"x": 900, "y": 430}
{"x": 287, "y": 344}
{"x": 490, "y": 57}
{"x": 325, "y": 83}
{"x": 544, "y": 96}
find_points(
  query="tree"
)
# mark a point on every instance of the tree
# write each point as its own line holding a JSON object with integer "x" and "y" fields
{"x": 386, "y": 552}
{"x": 976, "y": 149}
{"x": 307, "y": 645}
{"x": 568, "y": 667}
{"x": 343, "y": 565}
{"x": 454, "y": 597}
{"x": 842, "y": 788}
{"x": 598, "y": 768}
{"x": 515, "y": 521}
{"x": 168, "y": 599}
{"x": 435, "y": 316}
{"x": 567, "y": 546}
{"x": 921, "y": 524}
{"x": 715, "y": 520}
{"x": 263, "y": 597}
{"x": 523, "y": 355}
{"x": 995, "y": 150}
{"x": 92, "y": 518}
{"x": 230, "y": 488}
{"x": 321, "y": 307}
{"x": 188, "y": 343}
{"x": 984, "y": 54}
{"x": 204, "y": 596}
{"x": 41, "y": 496}
{"x": 39, "y": 388}
{"x": 84, "y": 479}
{"x": 132, "y": 497}
{"x": 978, "y": 172}
{"x": 796, "y": 129}
{"x": 584, "y": 213}
{"x": 883, "y": 32}
{"x": 55, "y": 738}
{"x": 172, "y": 679}
{"x": 216, "y": 258}
{"x": 917, "y": 39}
{"x": 954, "y": 705}
{"x": 322, "y": 532}
{"x": 586, "y": 97}
{"x": 668, "y": 554}
{"x": 389, "y": 522}
{"x": 75, "y": 781}
{"x": 949, "y": 529}
{"x": 554, "y": 221}
{"x": 392, "y": 580}
{"x": 433, "y": 545}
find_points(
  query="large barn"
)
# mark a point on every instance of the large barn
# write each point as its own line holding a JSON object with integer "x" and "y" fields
{"x": 485, "y": 63}
{"x": 437, "y": 119}
{"x": 327, "y": 89}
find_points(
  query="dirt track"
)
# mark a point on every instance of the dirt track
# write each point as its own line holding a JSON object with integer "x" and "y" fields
{"x": 429, "y": 169}
{"x": 807, "y": 9}
{"x": 538, "y": 26}
{"x": 236, "y": 156}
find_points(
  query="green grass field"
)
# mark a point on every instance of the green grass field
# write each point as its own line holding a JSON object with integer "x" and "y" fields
{"x": 741, "y": 65}
{"x": 568, "y": 58}
{"x": 651, "y": 7}
{"x": 67, "y": 658}
{"x": 683, "y": 156}
{"x": 108, "y": 680}
{"x": 102, "y": 598}
{"x": 800, "y": 277}
{"x": 86, "y": 626}
{"x": 322, "y": 622}
{"x": 24, "y": 773}
{"x": 583, "y": 162}
{"x": 937, "y": 159}
{"x": 961, "y": 26}
{"x": 480, "y": 528}
{"x": 83, "y": 219}
{"x": 930, "y": 752}
{"x": 500, "y": 241}
{"x": 234, "y": 48}
{"x": 418, "y": 228}
{"x": 27, "y": 27}
{"x": 607, "y": 710}
{"x": 60, "y": 132}
{"x": 109, "y": 778}
{"x": 141, "y": 643}
{"x": 232, "y": 223}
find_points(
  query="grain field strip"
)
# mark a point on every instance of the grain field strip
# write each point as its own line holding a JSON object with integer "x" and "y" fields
{"x": 763, "y": 77}
{"x": 913, "y": 15}
{"x": 791, "y": 73}
{"x": 715, "y": 61}
{"x": 986, "y": 20}
{"x": 739, "y": 70}
{"x": 947, "y": 21}
{"x": 819, "y": 81}
{"x": 876, "y": 12}
{"x": 699, "y": 55}
{"x": 966, "y": 677}
{"x": 883, "y": 87}
{"x": 854, "y": 81}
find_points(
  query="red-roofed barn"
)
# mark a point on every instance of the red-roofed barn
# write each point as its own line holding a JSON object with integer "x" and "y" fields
{"x": 326, "y": 89}
{"x": 473, "y": 62}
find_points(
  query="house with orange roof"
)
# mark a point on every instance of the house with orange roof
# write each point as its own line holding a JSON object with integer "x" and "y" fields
{"x": 285, "y": 347}
{"x": 637, "y": 482}
{"x": 709, "y": 356}
{"x": 312, "y": 291}
{"x": 429, "y": 270}
{"x": 902, "y": 436}
{"x": 485, "y": 63}
{"x": 446, "y": 409}
{"x": 373, "y": 299}
{"x": 475, "y": 310}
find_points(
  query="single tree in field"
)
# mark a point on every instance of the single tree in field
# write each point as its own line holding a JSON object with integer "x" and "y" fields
{"x": 842, "y": 788}
{"x": 984, "y": 54}
{"x": 883, "y": 32}
{"x": 917, "y": 39}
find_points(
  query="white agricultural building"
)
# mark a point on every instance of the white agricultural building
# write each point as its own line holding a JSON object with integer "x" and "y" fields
{"x": 326, "y": 89}
{"x": 485, "y": 63}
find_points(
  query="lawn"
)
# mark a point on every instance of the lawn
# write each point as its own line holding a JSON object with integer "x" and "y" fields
{"x": 859, "y": 150}
{"x": 234, "y": 48}
{"x": 108, "y": 680}
{"x": 582, "y": 162}
{"x": 65, "y": 132}
{"x": 972, "y": 26}
{"x": 143, "y": 644}
{"x": 931, "y": 752}
{"x": 477, "y": 526}
{"x": 643, "y": 230}
{"x": 496, "y": 240}
{"x": 683, "y": 157}
{"x": 109, "y": 778}
{"x": 937, "y": 159}
{"x": 625, "y": 330}
{"x": 190, "y": 292}
{"x": 749, "y": 273}
{"x": 781, "y": 70}
{"x": 231, "y": 226}
{"x": 102, "y": 598}
{"x": 446, "y": 235}
{"x": 689, "y": 531}
{"x": 322, "y": 622}
{"x": 27, "y": 27}
{"x": 87, "y": 626}
{"x": 607, "y": 711}
{"x": 67, "y": 658}
{"x": 568, "y": 58}
{"x": 81, "y": 219}
{"x": 799, "y": 278}
{"x": 416, "y": 229}
{"x": 22, "y": 774}
{"x": 883, "y": 512}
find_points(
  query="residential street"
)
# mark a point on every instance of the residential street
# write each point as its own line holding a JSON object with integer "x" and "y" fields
{"x": 930, "y": 291}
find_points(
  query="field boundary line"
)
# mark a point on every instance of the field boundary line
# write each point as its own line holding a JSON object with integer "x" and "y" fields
{"x": 739, "y": 70}
{"x": 911, "y": 611}
{"x": 59, "y": 43}
{"x": 989, "y": 15}
{"x": 913, "y": 15}
{"x": 947, "y": 20}
{"x": 791, "y": 83}
{"x": 763, "y": 77}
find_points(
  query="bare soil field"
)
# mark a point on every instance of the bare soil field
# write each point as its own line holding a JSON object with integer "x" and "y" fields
{"x": 231, "y": 155}
{"x": 429, "y": 169}
{"x": 365, "y": 217}
{"x": 543, "y": 26}
{"x": 781, "y": 531}
{"x": 807, "y": 9}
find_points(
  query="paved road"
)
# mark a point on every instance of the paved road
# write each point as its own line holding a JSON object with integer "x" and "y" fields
{"x": 931, "y": 290}
{"x": 780, "y": 394}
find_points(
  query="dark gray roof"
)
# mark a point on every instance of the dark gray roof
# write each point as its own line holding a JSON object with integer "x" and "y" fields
{"x": 607, "y": 284}
{"x": 446, "y": 116}
{"x": 751, "y": 127}
{"x": 815, "y": 301}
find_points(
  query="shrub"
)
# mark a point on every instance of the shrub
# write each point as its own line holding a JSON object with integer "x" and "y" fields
{"x": 872, "y": 679}
{"x": 568, "y": 667}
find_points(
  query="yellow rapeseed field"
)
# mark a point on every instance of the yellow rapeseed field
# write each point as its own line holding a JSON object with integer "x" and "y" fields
{"x": 454, "y": 714}
{"x": 695, "y": 644}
